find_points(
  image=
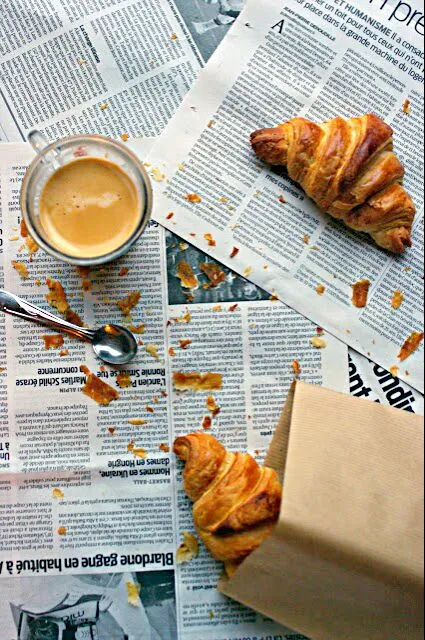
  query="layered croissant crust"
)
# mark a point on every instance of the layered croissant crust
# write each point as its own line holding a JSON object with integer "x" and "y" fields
{"x": 237, "y": 501}
{"x": 349, "y": 169}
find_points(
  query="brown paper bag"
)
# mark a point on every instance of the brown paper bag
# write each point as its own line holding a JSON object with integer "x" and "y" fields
{"x": 346, "y": 559}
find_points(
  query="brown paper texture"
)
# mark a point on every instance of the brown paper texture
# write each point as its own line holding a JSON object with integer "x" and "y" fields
{"x": 346, "y": 559}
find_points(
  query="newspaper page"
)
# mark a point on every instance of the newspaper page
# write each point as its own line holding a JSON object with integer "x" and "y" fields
{"x": 91, "y": 503}
{"x": 103, "y": 66}
{"x": 319, "y": 59}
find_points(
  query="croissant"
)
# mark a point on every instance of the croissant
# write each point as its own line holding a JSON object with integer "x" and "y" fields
{"x": 237, "y": 502}
{"x": 349, "y": 169}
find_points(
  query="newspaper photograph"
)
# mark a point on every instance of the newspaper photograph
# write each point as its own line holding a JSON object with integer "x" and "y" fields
{"x": 92, "y": 509}
{"x": 319, "y": 61}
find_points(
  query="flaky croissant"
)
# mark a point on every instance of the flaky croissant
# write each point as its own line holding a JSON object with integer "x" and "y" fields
{"x": 349, "y": 169}
{"x": 237, "y": 502}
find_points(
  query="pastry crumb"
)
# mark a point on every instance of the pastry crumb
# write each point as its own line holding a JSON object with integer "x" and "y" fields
{"x": 57, "y": 296}
{"x": 217, "y": 307}
{"x": 206, "y": 423}
{"x": 64, "y": 353}
{"x": 296, "y": 367}
{"x": 137, "y": 422}
{"x": 214, "y": 273}
{"x": 186, "y": 275}
{"x": 306, "y": 239}
{"x": 274, "y": 297}
{"x": 210, "y": 239}
{"x": 184, "y": 344}
{"x": 318, "y": 343}
{"x": 137, "y": 330}
{"x": 170, "y": 215}
{"x": 62, "y": 531}
{"x": 22, "y": 269}
{"x": 197, "y": 381}
{"x": 397, "y": 299}
{"x": 247, "y": 272}
{"x": 212, "y": 406}
{"x": 361, "y": 293}
{"x": 152, "y": 350}
{"x": 123, "y": 272}
{"x": 125, "y": 137}
{"x": 186, "y": 318}
{"x": 188, "y": 550}
{"x": 233, "y": 307}
{"x": 149, "y": 409}
{"x": 172, "y": 352}
{"x": 211, "y": 124}
{"x": 58, "y": 494}
{"x": 133, "y": 594}
{"x": 282, "y": 200}
{"x": 53, "y": 342}
{"x": 111, "y": 430}
{"x": 394, "y": 371}
{"x": 97, "y": 390}
{"x": 193, "y": 198}
{"x": 104, "y": 106}
{"x": 124, "y": 380}
{"x": 127, "y": 304}
{"x": 164, "y": 448}
{"x": 407, "y": 107}
{"x": 411, "y": 344}
{"x": 320, "y": 289}
{"x": 157, "y": 174}
{"x": 234, "y": 252}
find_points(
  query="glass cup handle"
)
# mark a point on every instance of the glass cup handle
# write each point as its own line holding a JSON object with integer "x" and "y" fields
{"x": 39, "y": 143}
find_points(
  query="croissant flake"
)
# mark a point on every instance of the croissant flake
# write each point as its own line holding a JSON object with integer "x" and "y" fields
{"x": 197, "y": 381}
{"x": 361, "y": 293}
{"x": 98, "y": 390}
{"x": 397, "y": 300}
{"x": 133, "y": 594}
{"x": 189, "y": 548}
{"x": 411, "y": 344}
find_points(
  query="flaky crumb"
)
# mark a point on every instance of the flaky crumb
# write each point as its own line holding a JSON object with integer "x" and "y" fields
{"x": 32, "y": 246}
{"x": 320, "y": 289}
{"x": 247, "y": 272}
{"x": 64, "y": 353}
{"x": 164, "y": 448}
{"x": 274, "y": 297}
{"x": 97, "y": 390}
{"x": 214, "y": 273}
{"x": 282, "y": 200}
{"x": 212, "y": 406}
{"x": 124, "y": 380}
{"x": 172, "y": 352}
{"x": 111, "y": 430}
{"x": 394, "y": 371}
{"x": 58, "y": 494}
{"x": 133, "y": 594}
{"x": 152, "y": 350}
{"x": 206, "y": 423}
{"x": 104, "y": 106}
{"x": 174, "y": 36}
{"x": 24, "y": 229}
{"x": 217, "y": 307}
{"x": 360, "y": 293}
{"x": 186, "y": 318}
{"x": 137, "y": 422}
{"x": 157, "y": 174}
{"x": 149, "y": 409}
{"x": 188, "y": 550}
{"x": 57, "y": 296}
{"x": 234, "y": 252}
{"x": 129, "y": 302}
{"x": 406, "y": 107}
{"x": 233, "y": 307}
{"x": 296, "y": 367}
{"x": 138, "y": 452}
{"x": 194, "y": 198}
{"x": 123, "y": 272}
{"x": 318, "y": 343}
{"x": 186, "y": 275}
{"x": 198, "y": 381}
{"x": 83, "y": 272}
{"x": 211, "y": 124}
{"x": 210, "y": 239}
{"x": 53, "y": 342}
{"x": 86, "y": 285}
{"x": 170, "y": 215}
{"x": 184, "y": 344}
{"x": 397, "y": 300}
{"x": 411, "y": 345}
{"x": 22, "y": 269}
{"x": 62, "y": 531}
{"x": 125, "y": 137}
{"x": 137, "y": 330}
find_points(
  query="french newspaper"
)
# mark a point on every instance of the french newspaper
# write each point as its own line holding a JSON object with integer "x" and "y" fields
{"x": 319, "y": 59}
{"x": 91, "y": 505}
{"x": 91, "y": 501}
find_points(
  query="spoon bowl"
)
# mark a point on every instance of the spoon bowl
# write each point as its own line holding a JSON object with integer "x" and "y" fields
{"x": 114, "y": 344}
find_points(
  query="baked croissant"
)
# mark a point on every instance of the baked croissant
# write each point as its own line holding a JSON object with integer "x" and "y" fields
{"x": 349, "y": 169}
{"x": 237, "y": 502}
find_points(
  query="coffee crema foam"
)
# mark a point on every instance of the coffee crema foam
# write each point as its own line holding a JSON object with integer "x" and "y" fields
{"x": 89, "y": 208}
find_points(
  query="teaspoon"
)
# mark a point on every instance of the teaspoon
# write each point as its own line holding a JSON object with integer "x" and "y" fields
{"x": 112, "y": 344}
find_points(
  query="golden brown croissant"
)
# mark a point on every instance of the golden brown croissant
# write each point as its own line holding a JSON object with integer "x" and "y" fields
{"x": 237, "y": 502}
{"x": 349, "y": 169}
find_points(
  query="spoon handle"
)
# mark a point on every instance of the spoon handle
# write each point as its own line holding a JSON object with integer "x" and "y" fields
{"x": 19, "y": 308}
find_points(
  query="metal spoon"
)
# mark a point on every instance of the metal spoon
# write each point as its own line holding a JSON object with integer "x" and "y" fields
{"x": 112, "y": 344}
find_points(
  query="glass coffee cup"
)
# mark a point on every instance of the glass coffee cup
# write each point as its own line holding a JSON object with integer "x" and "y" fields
{"x": 92, "y": 215}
